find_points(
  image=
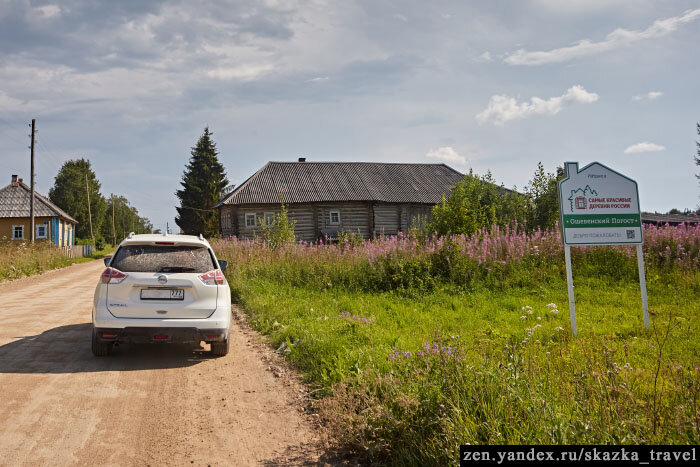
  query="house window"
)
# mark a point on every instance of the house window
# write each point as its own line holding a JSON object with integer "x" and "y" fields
{"x": 269, "y": 218}
{"x": 41, "y": 231}
{"x": 334, "y": 218}
{"x": 250, "y": 219}
{"x": 580, "y": 202}
{"x": 17, "y": 232}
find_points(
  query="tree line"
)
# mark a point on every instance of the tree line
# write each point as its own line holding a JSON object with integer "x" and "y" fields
{"x": 112, "y": 218}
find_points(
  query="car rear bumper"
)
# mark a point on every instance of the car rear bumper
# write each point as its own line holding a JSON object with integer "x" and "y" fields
{"x": 158, "y": 334}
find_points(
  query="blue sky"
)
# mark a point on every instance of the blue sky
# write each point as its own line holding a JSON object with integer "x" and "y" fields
{"x": 496, "y": 85}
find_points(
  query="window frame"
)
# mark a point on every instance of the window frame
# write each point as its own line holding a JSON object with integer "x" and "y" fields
{"x": 270, "y": 214}
{"x": 13, "y": 232}
{"x": 40, "y": 226}
{"x": 330, "y": 217}
{"x": 248, "y": 215}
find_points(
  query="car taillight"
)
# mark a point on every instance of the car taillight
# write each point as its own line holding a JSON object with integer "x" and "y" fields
{"x": 112, "y": 276}
{"x": 215, "y": 277}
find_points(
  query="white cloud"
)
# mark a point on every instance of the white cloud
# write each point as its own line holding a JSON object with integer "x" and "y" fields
{"x": 650, "y": 95}
{"x": 243, "y": 72}
{"x": 503, "y": 108}
{"x": 644, "y": 147}
{"x": 48, "y": 11}
{"x": 484, "y": 57}
{"x": 618, "y": 38}
{"x": 447, "y": 154}
{"x": 318, "y": 79}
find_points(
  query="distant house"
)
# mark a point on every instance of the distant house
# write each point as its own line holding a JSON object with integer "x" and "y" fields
{"x": 51, "y": 222}
{"x": 670, "y": 219}
{"x": 325, "y": 198}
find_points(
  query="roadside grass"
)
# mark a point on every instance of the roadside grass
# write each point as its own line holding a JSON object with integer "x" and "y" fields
{"x": 24, "y": 259}
{"x": 405, "y": 373}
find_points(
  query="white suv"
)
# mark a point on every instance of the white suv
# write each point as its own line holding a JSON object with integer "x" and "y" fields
{"x": 162, "y": 288}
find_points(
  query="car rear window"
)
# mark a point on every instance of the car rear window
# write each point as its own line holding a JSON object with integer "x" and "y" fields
{"x": 157, "y": 258}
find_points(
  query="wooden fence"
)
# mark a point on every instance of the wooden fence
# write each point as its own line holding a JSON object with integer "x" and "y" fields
{"x": 76, "y": 251}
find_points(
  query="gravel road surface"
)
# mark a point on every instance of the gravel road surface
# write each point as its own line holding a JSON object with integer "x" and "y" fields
{"x": 144, "y": 405}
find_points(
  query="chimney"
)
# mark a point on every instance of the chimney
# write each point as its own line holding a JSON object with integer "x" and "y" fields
{"x": 21, "y": 180}
{"x": 302, "y": 159}
{"x": 14, "y": 181}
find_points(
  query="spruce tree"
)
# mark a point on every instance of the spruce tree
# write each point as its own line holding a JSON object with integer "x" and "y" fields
{"x": 203, "y": 183}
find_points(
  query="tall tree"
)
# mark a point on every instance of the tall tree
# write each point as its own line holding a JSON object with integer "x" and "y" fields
{"x": 203, "y": 183}
{"x": 126, "y": 219}
{"x": 69, "y": 193}
{"x": 476, "y": 203}
{"x": 542, "y": 189}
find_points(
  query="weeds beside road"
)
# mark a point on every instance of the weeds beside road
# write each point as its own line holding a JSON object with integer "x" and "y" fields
{"x": 24, "y": 259}
{"x": 416, "y": 346}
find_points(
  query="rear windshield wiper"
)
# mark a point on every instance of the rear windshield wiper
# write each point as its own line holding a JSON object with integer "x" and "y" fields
{"x": 176, "y": 269}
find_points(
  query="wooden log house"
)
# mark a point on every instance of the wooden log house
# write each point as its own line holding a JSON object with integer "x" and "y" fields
{"x": 326, "y": 198}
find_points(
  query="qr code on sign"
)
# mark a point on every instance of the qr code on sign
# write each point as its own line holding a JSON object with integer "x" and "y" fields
{"x": 630, "y": 234}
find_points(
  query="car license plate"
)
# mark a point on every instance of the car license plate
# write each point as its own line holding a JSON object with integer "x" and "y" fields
{"x": 162, "y": 294}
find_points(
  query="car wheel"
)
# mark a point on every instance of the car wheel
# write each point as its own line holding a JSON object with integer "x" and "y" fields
{"x": 100, "y": 349}
{"x": 219, "y": 349}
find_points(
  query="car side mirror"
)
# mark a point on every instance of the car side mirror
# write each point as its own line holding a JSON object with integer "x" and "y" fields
{"x": 223, "y": 265}
{"x": 107, "y": 259}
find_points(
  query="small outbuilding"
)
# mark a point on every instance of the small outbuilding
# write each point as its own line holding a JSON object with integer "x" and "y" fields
{"x": 51, "y": 222}
{"x": 325, "y": 198}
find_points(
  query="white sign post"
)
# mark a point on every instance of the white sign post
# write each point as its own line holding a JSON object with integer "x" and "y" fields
{"x": 600, "y": 207}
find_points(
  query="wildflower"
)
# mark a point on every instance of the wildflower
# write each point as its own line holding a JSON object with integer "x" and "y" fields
{"x": 554, "y": 311}
{"x": 559, "y": 329}
{"x": 551, "y": 305}
{"x": 523, "y": 317}
{"x": 539, "y": 318}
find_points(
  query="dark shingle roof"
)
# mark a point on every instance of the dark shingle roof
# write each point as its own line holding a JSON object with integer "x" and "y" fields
{"x": 305, "y": 182}
{"x": 672, "y": 219}
{"x": 14, "y": 202}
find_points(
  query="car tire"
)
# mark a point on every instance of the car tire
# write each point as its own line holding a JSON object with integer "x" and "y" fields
{"x": 100, "y": 349}
{"x": 220, "y": 349}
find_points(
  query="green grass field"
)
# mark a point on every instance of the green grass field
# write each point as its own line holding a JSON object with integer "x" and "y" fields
{"x": 406, "y": 375}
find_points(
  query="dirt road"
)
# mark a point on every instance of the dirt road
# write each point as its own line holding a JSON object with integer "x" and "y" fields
{"x": 144, "y": 405}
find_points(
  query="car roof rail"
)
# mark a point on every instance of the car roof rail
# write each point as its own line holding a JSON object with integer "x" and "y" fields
{"x": 131, "y": 234}
{"x": 201, "y": 237}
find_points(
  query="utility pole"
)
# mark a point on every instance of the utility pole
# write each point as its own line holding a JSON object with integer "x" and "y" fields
{"x": 87, "y": 190}
{"x": 167, "y": 228}
{"x": 114, "y": 233}
{"x": 123, "y": 221}
{"x": 32, "y": 228}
